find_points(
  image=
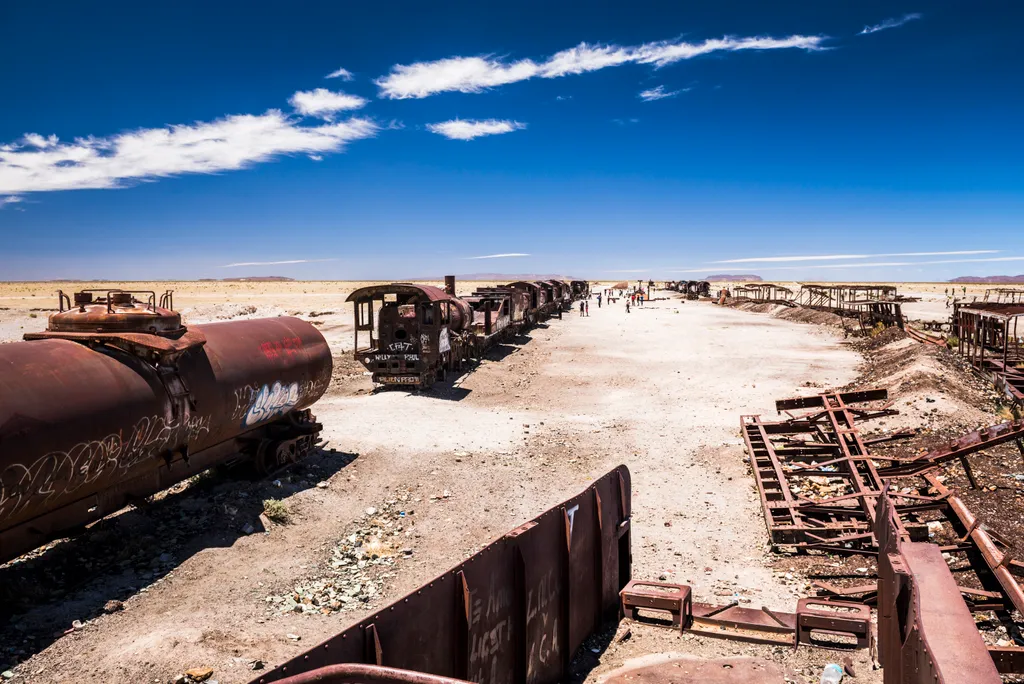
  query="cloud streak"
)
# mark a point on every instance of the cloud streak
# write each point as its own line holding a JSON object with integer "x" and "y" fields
{"x": 824, "y": 257}
{"x": 889, "y": 24}
{"x": 38, "y": 164}
{"x": 467, "y": 129}
{"x": 324, "y": 103}
{"x": 658, "y": 93}
{"x": 11, "y": 199}
{"x": 342, "y": 73}
{"x": 275, "y": 263}
{"x": 499, "y": 256}
{"x": 877, "y": 264}
{"x": 481, "y": 73}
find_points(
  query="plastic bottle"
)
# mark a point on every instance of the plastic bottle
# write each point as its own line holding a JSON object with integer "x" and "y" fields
{"x": 832, "y": 674}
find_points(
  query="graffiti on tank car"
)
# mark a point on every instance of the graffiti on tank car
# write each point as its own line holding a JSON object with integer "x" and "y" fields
{"x": 275, "y": 349}
{"x": 62, "y": 472}
{"x": 425, "y": 343}
{"x": 400, "y": 346}
{"x": 271, "y": 401}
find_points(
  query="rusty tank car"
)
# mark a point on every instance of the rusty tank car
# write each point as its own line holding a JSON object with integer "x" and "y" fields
{"x": 117, "y": 400}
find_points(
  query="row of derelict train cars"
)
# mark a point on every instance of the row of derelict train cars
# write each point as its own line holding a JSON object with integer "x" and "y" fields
{"x": 117, "y": 400}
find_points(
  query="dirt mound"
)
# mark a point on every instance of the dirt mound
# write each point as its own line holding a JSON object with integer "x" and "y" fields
{"x": 804, "y": 315}
{"x": 797, "y": 314}
{"x": 930, "y": 385}
{"x": 887, "y": 336}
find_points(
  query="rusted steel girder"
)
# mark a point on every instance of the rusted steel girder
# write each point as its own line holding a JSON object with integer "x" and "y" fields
{"x": 926, "y": 634}
{"x": 960, "y": 448}
{"x": 995, "y": 559}
{"x": 515, "y": 612}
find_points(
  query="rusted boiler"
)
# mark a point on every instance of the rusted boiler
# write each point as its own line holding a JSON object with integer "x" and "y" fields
{"x": 117, "y": 400}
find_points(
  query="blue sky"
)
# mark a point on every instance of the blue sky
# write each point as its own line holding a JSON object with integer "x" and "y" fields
{"x": 608, "y": 139}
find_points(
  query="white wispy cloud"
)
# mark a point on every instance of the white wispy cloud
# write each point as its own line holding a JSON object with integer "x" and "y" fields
{"x": 659, "y": 93}
{"x": 826, "y": 257}
{"x": 477, "y": 74}
{"x": 873, "y": 264}
{"x": 890, "y": 23}
{"x": 467, "y": 129}
{"x": 275, "y": 263}
{"x": 499, "y": 256}
{"x": 10, "y": 199}
{"x": 226, "y": 144}
{"x": 324, "y": 103}
{"x": 342, "y": 73}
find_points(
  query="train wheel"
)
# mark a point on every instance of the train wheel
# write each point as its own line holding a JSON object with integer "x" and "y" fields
{"x": 272, "y": 455}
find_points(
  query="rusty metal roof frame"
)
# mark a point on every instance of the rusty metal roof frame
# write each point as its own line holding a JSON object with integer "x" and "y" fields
{"x": 427, "y": 292}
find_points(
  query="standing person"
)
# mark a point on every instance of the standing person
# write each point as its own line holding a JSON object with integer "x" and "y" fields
{"x": 598, "y": 300}
{"x": 582, "y": 304}
{"x": 627, "y": 306}
{"x": 588, "y": 309}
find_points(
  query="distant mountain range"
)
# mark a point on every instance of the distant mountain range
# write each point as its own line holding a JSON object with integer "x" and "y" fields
{"x": 989, "y": 279}
{"x": 734, "y": 278}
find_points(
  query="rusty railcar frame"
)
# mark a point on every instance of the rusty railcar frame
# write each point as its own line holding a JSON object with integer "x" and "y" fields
{"x": 989, "y": 337}
{"x": 516, "y": 611}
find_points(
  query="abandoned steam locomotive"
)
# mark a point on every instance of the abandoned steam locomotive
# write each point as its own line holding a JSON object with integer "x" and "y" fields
{"x": 417, "y": 333}
{"x": 117, "y": 400}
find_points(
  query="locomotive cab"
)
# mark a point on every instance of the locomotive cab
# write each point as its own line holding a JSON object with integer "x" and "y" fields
{"x": 411, "y": 330}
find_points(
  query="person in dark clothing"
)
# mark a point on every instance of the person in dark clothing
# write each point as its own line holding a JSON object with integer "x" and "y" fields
{"x": 582, "y": 304}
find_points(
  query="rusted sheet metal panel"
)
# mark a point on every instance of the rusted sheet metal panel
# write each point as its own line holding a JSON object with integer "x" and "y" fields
{"x": 926, "y": 633}
{"x": 78, "y": 422}
{"x": 515, "y": 612}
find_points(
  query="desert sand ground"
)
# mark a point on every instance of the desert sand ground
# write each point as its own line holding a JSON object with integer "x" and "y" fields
{"x": 660, "y": 389}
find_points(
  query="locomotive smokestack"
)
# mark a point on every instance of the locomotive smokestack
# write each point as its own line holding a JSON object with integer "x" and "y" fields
{"x": 449, "y": 285}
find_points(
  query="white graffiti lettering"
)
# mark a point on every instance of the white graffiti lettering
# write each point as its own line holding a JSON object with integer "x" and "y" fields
{"x": 62, "y": 472}
{"x": 400, "y": 346}
{"x": 271, "y": 402}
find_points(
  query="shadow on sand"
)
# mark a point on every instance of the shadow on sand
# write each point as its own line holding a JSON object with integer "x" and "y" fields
{"x": 44, "y": 592}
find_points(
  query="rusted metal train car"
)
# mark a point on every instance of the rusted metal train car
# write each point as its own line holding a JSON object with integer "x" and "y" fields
{"x": 117, "y": 400}
{"x": 416, "y": 334}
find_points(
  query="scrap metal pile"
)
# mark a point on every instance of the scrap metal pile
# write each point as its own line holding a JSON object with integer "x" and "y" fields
{"x": 826, "y": 488}
{"x": 417, "y": 333}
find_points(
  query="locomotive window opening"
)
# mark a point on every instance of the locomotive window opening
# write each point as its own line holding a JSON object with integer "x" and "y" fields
{"x": 428, "y": 314}
{"x": 407, "y": 311}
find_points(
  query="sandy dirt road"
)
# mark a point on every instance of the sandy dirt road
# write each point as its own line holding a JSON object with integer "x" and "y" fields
{"x": 660, "y": 389}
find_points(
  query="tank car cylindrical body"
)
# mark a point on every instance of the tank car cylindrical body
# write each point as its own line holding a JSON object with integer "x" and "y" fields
{"x": 91, "y": 421}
